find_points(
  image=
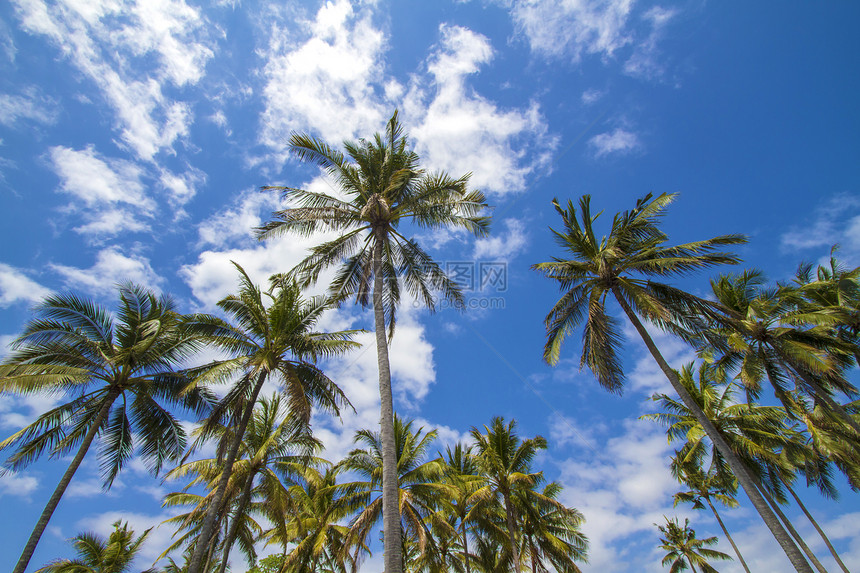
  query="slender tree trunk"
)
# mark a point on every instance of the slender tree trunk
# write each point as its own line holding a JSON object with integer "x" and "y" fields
{"x": 234, "y": 524}
{"x": 393, "y": 552}
{"x": 693, "y": 567}
{"x": 534, "y": 557}
{"x": 54, "y": 500}
{"x": 211, "y": 513}
{"x": 791, "y": 551}
{"x": 729, "y": 537}
{"x": 793, "y": 531}
{"x": 509, "y": 515}
{"x": 817, "y": 528}
{"x": 465, "y": 546}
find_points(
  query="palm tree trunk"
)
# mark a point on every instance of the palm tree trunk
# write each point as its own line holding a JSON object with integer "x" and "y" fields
{"x": 209, "y": 522}
{"x": 729, "y": 537}
{"x": 390, "y": 483}
{"x": 509, "y": 515}
{"x": 817, "y": 528}
{"x": 465, "y": 546}
{"x": 791, "y": 551}
{"x": 54, "y": 500}
{"x": 693, "y": 567}
{"x": 234, "y": 525}
{"x": 793, "y": 531}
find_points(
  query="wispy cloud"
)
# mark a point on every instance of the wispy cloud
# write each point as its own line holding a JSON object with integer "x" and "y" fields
{"x": 28, "y": 106}
{"x": 833, "y": 221}
{"x": 645, "y": 61}
{"x": 618, "y": 141}
{"x": 16, "y": 286}
{"x": 503, "y": 246}
{"x": 112, "y": 267}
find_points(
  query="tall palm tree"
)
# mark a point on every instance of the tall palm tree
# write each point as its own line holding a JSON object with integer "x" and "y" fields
{"x": 755, "y": 434}
{"x": 551, "y": 532}
{"x": 271, "y": 338}
{"x": 116, "y": 373}
{"x": 461, "y": 508}
{"x": 622, "y": 264}
{"x": 707, "y": 486}
{"x": 505, "y": 462}
{"x": 98, "y": 555}
{"x": 381, "y": 186}
{"x": 420, "y": 486}
{"x": 682, "y": 547}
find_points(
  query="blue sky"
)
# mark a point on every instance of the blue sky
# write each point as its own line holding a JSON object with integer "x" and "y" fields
{"x": 134, "y": 138}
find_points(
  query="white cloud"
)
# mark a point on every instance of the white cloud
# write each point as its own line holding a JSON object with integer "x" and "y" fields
{"x": 325, "y": 83}
{"x": 158, "y": 539}
{"x": 182, "y": 187}
{"x": 644, "y": 62}
{"x": 592, "y": 96}
{"x": 14, "y": 108}
{"x": 460, "y": 131}
{"x": 236, "y": 224}
{"x": 504, "y": 246}
{"x": 112, "y": 267}
{"x": 573, "y": 27}
{"x": 107, "y": 192}
{"x": 834, "y": 221}
{"x": 112, "y": 43}
{"x": 618, "y": 141}
{"x": 16, "y": 286}
{"x": 15, "y": 484}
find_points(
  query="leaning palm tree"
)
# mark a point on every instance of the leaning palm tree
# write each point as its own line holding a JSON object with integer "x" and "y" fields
{"x": 98, "y": 555}
{"x": 380, "y": 186}
{"x": 707, "y": 486}
{"x": 505, "y": 462}
{"x": 756, "y": 434}
{"x": 622, "y": 264}
{"x": 116, "y": 371}
{"x": 271, "y": 338}
{"x": 682, "y": 547}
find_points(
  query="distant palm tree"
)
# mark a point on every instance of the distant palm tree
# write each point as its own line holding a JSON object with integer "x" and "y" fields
{"x": 97, "y": 555}
{"x": 116, "y": 371}
{"x": 381, "y": 186}
{"x": 505, "y": 463}
{"x": 682, "y": 547}
{"x": 622, "y": 265}
{"x": 420, "y": 485}
{"x": 551, "y": 533}
{"x": 707, "y": 486}
{"x": 271, "y": 338}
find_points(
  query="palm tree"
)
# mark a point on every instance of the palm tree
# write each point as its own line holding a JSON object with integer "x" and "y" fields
{"x": 314, "y": 524}
{"x": 116, "y": 372}
{"x": 381, "y": 185}
{"x": 462, "y": 509}
{"x": 267, "y": 341}
{"x": 705, "y": 486}
{"x": 771, "y": 333}
{"x": 420, "y": 486}
{"x": 755, "y": 434}
{"x": 97, "y": 555}
{"x": 551, "y": 532}
{"x": 621, "y": 264}
{"x": 682, "y": 547}
{"x": 505, "y": 463}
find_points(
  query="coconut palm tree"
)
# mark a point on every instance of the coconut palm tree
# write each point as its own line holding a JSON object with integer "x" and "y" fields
{"x": 314, "y": 525}
{"x": 270, "y": 338}
{"x": 756, "y": 435}
{"x": 462, "y": 509}
{"x": 551, "y": 532}
{"x": 505, "y": 463}
{"x": 622, "y": 265}
{"x": 380, "y": 187}
{"x": 116, "y": 371}
{"x": 682, "y": 547}
{"x": 706, "y": 486}
{"x": 98, "y": 555}
{"x": 421, "y": 487}
{"x": 770, "y": 333}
